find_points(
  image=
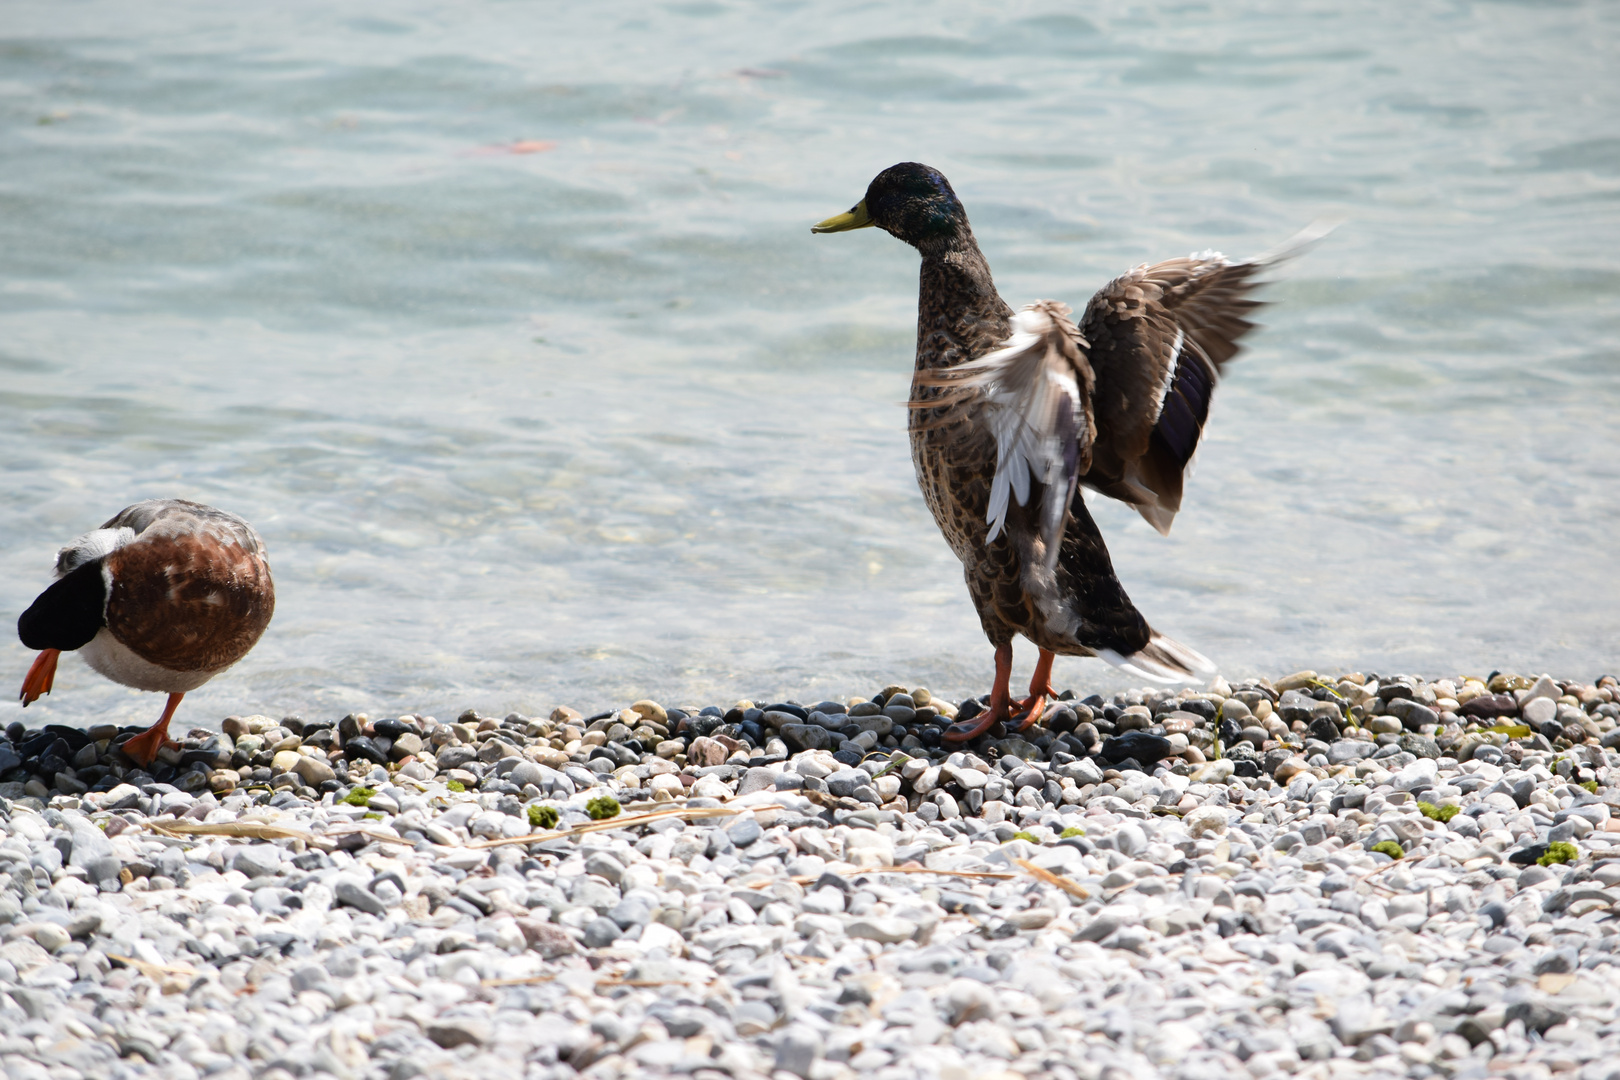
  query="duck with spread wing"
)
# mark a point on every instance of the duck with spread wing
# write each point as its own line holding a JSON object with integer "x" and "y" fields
{"x": 1011, "y": 413}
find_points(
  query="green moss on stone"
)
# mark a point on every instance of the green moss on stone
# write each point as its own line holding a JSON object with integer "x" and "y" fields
{"x": 1021, "y": 835}
{"x": 543, "y": 817}
{"x": 1438, "y": 813}
{"x": 1390, "y": 848}
{"x": 1072, "y": 830}
{"x": 1590, "y": 785}
{"x": 602, "y": 807}
{"x": 1558, "y": 852}
{"x": 359, "y": 796}
{"x": 456, "y": 785}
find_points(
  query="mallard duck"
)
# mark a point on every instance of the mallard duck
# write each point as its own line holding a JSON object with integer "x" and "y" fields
{"x": 1011, "y": 413}
{"x": 163, "y": 597}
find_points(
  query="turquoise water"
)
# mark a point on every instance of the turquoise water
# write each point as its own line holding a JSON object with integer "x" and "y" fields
{"x": 505, "y": 326}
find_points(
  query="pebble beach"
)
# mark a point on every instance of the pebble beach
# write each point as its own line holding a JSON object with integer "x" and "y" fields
{"x": 1321, "y": 876}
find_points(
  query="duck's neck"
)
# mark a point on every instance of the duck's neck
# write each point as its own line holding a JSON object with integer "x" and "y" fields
{"x": 959, "y": 313}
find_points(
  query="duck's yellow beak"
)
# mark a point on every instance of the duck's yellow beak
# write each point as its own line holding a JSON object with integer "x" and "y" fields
{"x": 857, "y": 218}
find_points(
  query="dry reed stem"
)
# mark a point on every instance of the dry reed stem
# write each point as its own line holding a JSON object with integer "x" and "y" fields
{"x": 694, "y": 813}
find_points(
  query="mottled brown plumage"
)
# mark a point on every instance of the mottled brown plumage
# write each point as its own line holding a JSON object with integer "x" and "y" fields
{"x": 1124, "y": 399}
{"x": 193, "y": 592}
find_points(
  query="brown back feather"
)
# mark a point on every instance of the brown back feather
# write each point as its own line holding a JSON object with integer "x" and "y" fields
{"x": 193, "y": 592}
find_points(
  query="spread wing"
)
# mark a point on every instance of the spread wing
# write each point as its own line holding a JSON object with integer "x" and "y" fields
{"x": 1033, "y": 394}
{"x": 1159, "y": 336}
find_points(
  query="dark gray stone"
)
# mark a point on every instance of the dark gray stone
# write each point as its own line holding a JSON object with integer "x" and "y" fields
{"x": 104, "y": 869}
{"x": 257, "y": 860}
{"x": 1536, "y": 1016}
{"x": 1135, "y": 745}
{"x": 601, "y": 932}
{"x": 528, "y": 772}
{"x": 1323, "y": 729}
{"x": 744, "y": 831}
{"x": 756, "y": 779}
{"x": 1347, "y": 750}
{"x": 801, "y": 737}
{"x": 631, "y": 911}
{"x": 1532, "y": 874}
{"x": 779, "y": 718}
{"x": 362, "y": 746}
{"x": 604, "y": 865}
{"x": 845, "y": 781}
{"x": 451, "y": 1032}
{"x": 309, "y": 977}
{"x": 454, "y": 757}
{"x": 1418, "y": 716}
{"x": 358, "y": 897}
{"x": 1099, "y": 928}
{"x": 1555, "y": 963}
{"x": 797, "y": 1050}
{"x": 1419, "y": 745}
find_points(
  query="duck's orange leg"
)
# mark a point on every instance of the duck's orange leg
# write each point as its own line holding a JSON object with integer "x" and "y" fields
{"x": 145, "y": 746}
{"x": 41, "y": 676}
{"x": 1040, "y": 689}
{"x": 1000, "y": 699}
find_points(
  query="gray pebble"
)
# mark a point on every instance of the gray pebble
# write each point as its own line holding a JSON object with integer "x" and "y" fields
{"x": 358, "y": 897}
{"x": 744, "y": 832}
{"x": 601, "y": 932}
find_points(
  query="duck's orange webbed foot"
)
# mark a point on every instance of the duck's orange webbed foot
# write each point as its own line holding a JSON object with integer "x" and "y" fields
{"x": 1040, "y": 692}
{"x": 1028, "y": 715}
{"x": 41, "y": 676}
{"x": 997, "y": 712}
{"x": 143, "y": 748}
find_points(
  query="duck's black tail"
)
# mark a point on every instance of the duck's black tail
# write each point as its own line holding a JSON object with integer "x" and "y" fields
{"x": 1110, "y": 625}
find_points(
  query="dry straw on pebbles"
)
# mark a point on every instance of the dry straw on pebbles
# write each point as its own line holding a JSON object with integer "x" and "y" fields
{"x": 1321, "y": 877}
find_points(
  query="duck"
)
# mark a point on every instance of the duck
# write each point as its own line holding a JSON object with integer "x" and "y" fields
{"x": 1014, "y": 414}
{"x": 162, "y": 597}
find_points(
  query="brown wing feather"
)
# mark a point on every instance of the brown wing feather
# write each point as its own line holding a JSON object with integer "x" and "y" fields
{"x": 1160, "y": 336}
{"x": 193, "y": 592}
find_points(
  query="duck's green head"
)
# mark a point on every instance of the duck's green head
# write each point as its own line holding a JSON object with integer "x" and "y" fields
{"x": 910, "y": 201}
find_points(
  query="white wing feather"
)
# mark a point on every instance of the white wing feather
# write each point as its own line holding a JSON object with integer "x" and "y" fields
{"x": 1034, "y": 411}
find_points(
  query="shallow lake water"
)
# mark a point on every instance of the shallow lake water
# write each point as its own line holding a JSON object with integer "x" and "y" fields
{"x": 505, "y": 326}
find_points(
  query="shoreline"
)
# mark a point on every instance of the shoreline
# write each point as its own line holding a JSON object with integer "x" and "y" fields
{"x": 1317, "y": 878}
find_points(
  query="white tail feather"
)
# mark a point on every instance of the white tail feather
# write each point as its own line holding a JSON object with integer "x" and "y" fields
{"x": 1163, "y": 660}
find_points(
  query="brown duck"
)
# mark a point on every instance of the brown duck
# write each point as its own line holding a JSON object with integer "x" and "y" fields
{"x": 163, "y": 597}
{"x": 1012, "y": 413}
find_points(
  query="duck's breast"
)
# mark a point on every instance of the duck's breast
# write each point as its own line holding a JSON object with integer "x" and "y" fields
{"x": 109, "y": 656}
